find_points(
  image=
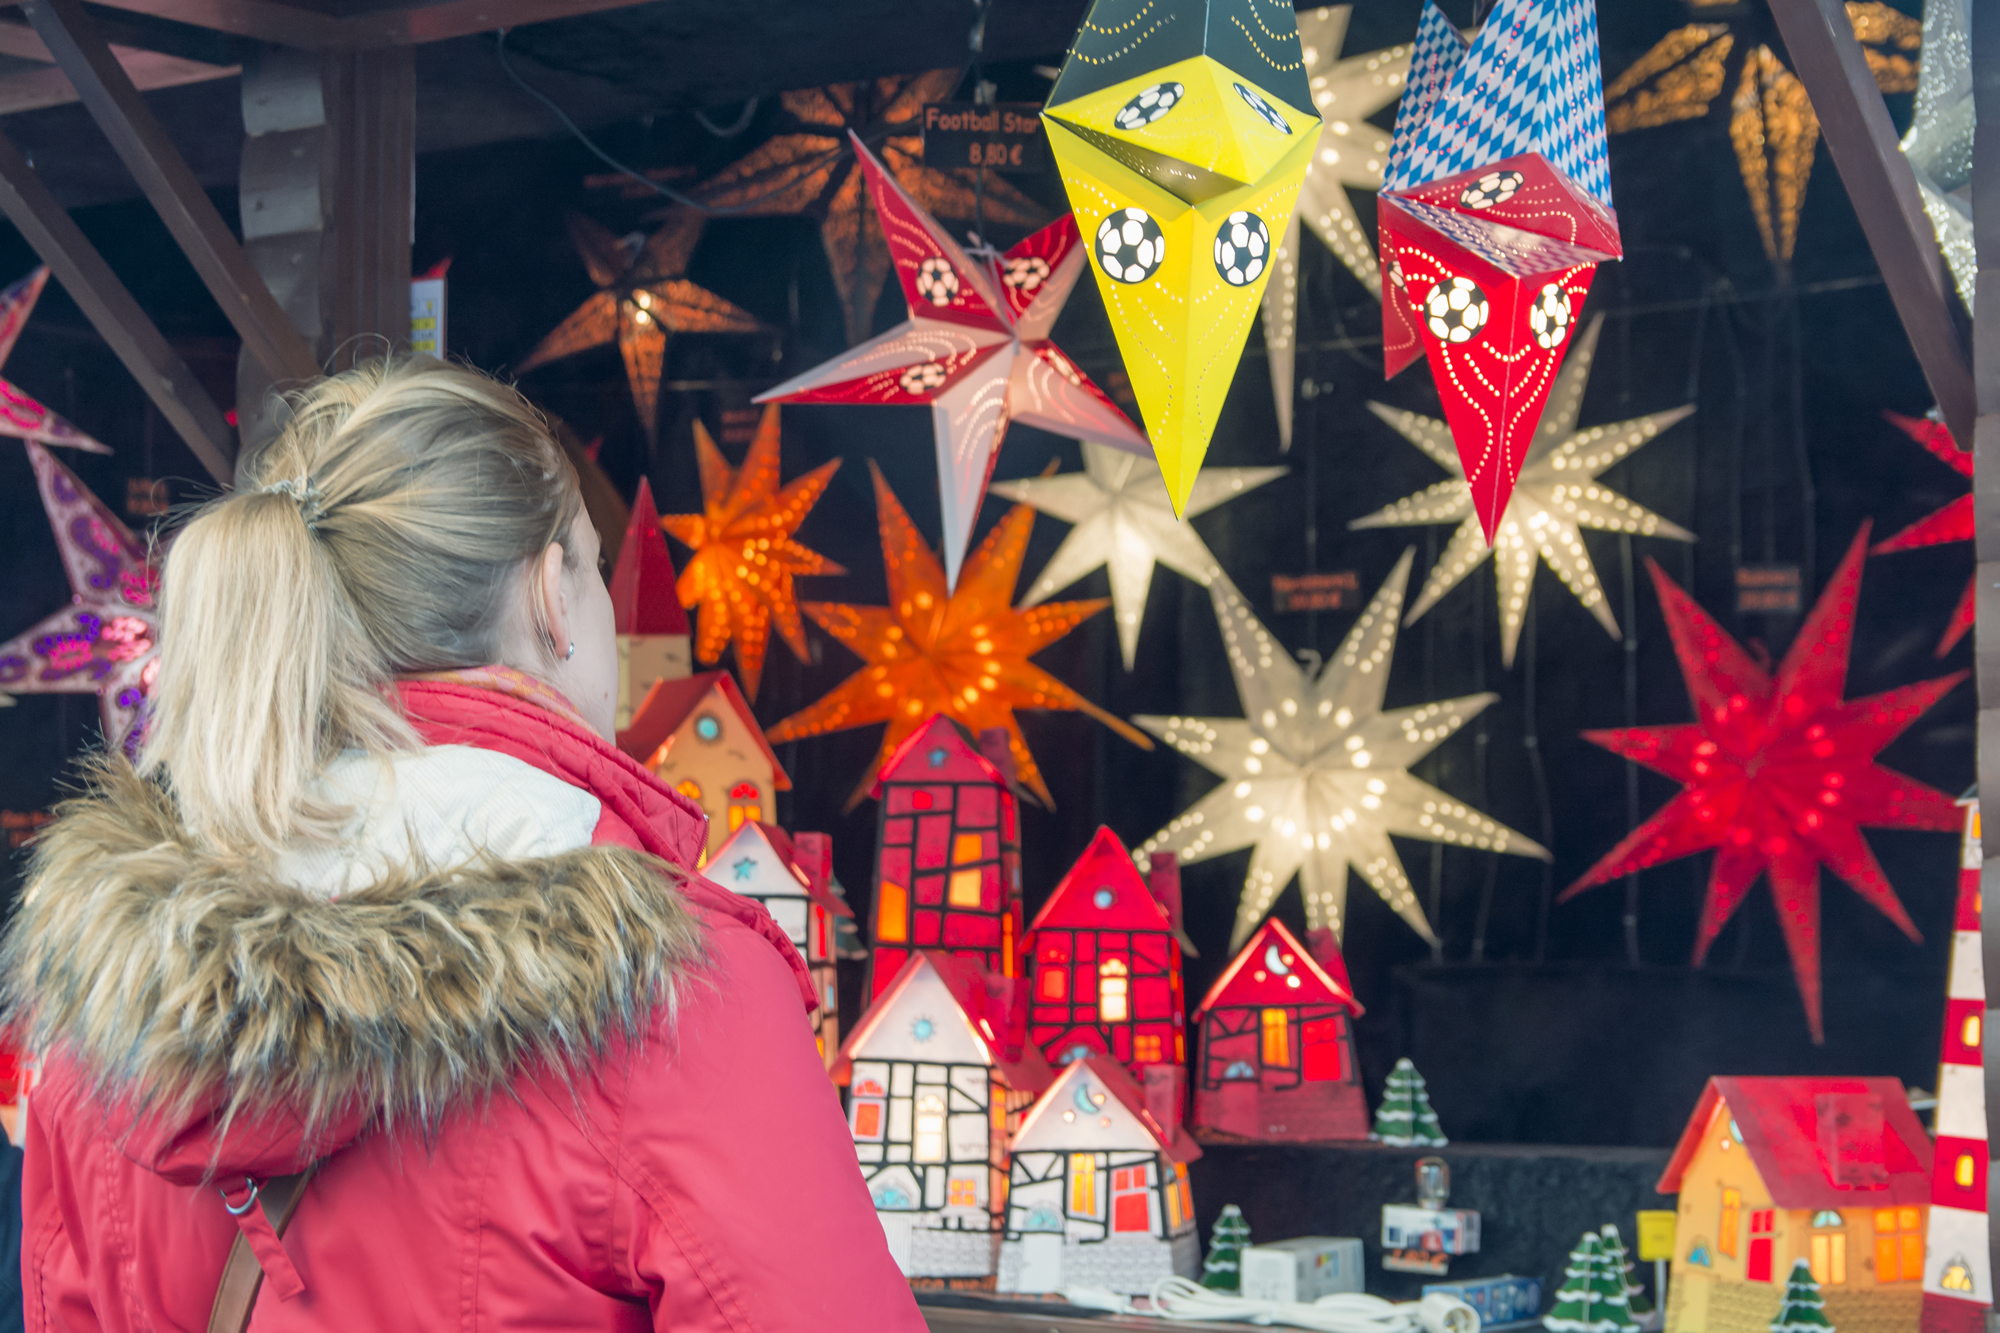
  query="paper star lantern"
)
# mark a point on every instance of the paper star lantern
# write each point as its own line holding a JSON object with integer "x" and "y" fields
{"x": 1557, "y": 494}
{"x": 1123, "y": 520}
{"x": 1495, "y": 212}
{"x": 976, "y": 349}
{"x": 1315, "y": 773}
{"x": 1182, "y": 129}
{"x": 1778, "y": 775}
{"x": 643, "y": 299}
{"x": 1771, "y": 121}
{"x": 1939, "y": 143}
{"x": 1351, "y": 154}
{"x": 963, "y": 653}
{"x": 810, "y": 169}
{"x": 1953, "y": 523}
{"x": 20, "y": 415}
{"x": 739, "y": 581}
{"x": 105, "y": 641}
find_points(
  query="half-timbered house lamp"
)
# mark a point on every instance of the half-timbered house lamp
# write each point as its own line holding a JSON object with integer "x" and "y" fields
{"x": 652, "y": 626}
{"x": 1098, "y": 1189}
{"x": 789, "y": 877}
{"x": 947, "y": 853}
{"x": 938, "y": 1072}
{"x": 699, "y": 735}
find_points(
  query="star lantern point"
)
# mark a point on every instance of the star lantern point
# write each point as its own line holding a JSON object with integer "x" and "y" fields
{"x": 1953, "y": 523}
{"x": 961, "y": 652}
{"x": 1778, "y": 773}
{"x": 739, "y": 582}
{"x": 1315, "y": 774}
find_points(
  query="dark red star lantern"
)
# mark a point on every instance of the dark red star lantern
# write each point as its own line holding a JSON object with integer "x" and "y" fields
{"x": 1779, "y": 775}
{"x": 1953, "y": 523}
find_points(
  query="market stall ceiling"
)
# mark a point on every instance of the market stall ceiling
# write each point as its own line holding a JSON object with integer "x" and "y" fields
{"x": 605, "y": 61}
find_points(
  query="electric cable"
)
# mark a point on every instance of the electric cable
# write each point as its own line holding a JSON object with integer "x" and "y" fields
{"x": 1177, "y": 1298}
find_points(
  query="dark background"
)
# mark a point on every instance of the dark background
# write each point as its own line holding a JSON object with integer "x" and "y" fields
{"x": 1535, "y": 1024}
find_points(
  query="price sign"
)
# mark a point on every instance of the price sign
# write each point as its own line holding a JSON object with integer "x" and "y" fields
{"x": 1769, "y": 589}
{"x": 1006, "y": 136}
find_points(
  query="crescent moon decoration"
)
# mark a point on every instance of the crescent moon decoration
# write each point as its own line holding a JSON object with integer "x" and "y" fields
{"x": 1275, "y": 963}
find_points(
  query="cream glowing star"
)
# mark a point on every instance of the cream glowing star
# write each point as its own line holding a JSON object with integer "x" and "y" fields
{"x": 1557, "y": 494}
{"x": 1315, "y": 774}
{"x": 1351, "y": 153}
{"x": 1939, "y": 144}
{"x": 1124, "y": 521}
{"x": 1182, "y": 129}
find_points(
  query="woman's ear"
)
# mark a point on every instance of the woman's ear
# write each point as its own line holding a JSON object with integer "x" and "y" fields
{"x": 555, "y": 602}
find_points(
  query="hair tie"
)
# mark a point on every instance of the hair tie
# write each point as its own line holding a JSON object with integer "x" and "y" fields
{"x": 302, "y": 493}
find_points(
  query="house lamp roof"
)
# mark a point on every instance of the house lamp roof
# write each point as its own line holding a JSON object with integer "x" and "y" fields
{"x": 1816, "y": 1142}
{"x": 1275, "y": 969}
{"x": 669, "y": 703}
{"x": 758, "y": 860}
{"x": 992, "y": 1011}
{"x": 1094, "y": 1106}
{"x": 1103, "y": 891}
{"x": 643, "y": 599}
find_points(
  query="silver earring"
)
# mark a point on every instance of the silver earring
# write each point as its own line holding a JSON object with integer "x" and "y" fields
{"x": 572, "y": 650}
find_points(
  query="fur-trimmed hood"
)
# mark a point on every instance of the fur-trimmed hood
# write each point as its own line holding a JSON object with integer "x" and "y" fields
{"x": 186, "y": 984}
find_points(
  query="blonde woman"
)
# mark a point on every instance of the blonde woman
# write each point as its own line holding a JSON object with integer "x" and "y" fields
{"x": 377, "y": 994}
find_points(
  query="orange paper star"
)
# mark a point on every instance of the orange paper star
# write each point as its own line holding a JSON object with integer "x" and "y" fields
{"x": 739, "y": 583}
{"x": 644, "y": 297}
{"x": 932, "y": 650}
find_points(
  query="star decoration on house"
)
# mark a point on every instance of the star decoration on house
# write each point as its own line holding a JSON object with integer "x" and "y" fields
{"x": 1726, "y": 59}
{"x": 1953, "y": 523}
{"x": 105, "y": 642}
{"x": 1939, "y": 142}
{"x": 810, "y": 168}
{"x": 644, "y": 297}
{"x": 962, "y": 652}
{"x": 20, "y": 415}
{"x": 739, "y": 581}
{"x": 975, "y": 349}
{"x": 1351, "y": 154}
{"x": 1124, "y": 520}
{"x": 1557, "y": 494}
{"x": 1778, "y": 773}
{"x": 1315, "y": 774}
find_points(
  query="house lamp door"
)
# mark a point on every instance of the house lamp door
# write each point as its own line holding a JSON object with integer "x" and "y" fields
{"x": 1757, "y": 1266}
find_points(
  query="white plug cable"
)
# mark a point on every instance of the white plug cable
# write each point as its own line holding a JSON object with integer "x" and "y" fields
{"x": 1178, "y": 1298}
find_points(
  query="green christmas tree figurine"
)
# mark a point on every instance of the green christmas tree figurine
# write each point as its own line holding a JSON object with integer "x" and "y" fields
{"x": 1405, "y": 1118}
{"x": 1222, "y": 1270}
{"x": 1620, "y": 1262}
{"x": 1592, "y": 1299}
{"x": 1804, "y": 1310}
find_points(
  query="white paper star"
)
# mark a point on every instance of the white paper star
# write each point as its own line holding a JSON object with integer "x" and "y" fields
{"x": 1939, "y": 144}
{"x": 1558, "y": 493}
{"x": 1351, "y": 153}
{"x": 1314, "y": 775}
{"x": 1124, "y": 520}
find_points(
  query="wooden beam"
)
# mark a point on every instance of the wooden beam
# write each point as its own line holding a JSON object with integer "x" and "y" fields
{"x": 34, "y": 89}
{"x": 175, "y": 194}
{"x": 1852, "y": 115}
{"x": 114, "y": 314}
{"x": 291, "y": 25}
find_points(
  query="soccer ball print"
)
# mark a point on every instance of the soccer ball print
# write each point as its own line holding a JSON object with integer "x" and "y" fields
{"x": 1130, "y": 245}
{"x": 1455, "y": 310}
{"x": 1242, "y": 246}
{"x": 1150, "y": 104}
{"x": 1548, "y": 316}
{"x": 1025, "y": 273}
{"x": 1495, "y": 187}
{"x": 936, "y": 282}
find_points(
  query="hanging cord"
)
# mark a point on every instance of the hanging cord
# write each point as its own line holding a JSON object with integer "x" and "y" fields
{"x": 742, "y": 122}
{"x": 1801, "y": 457}
{"x": 1631, "y": 647}
{"x": 1481, "y": 741}
{"x": 1532, "y": 743}
{"x": 1179, "y": 1299}
{"x": 1431, "y": 761}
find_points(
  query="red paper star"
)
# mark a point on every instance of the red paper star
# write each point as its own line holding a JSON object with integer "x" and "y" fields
{"x": 1779, "y": 776}
{"x": 1953, "y": 523}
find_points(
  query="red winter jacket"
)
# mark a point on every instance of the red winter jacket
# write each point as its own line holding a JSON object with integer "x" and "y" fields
{"x": 547, "y": 1090}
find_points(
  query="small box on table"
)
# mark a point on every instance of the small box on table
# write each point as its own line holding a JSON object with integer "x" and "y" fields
{"x": 1302, "y": 1270}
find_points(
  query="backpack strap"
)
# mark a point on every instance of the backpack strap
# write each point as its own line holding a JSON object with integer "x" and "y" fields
{"x": 242, "y": 1274}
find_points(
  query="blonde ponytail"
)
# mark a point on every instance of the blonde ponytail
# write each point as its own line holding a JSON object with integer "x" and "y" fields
{"x": 382, "y": 533}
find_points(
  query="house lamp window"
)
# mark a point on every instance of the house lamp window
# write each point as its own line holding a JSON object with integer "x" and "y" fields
{"x": 746, "y": 804}
{"x": 1112, "y": 984}
{"x": 1899, "y": 1245}
{"x": 708, "y": 728}
{"x": 930, "y": 1128}
{"x": 1956, "y": 1276}
{"x": 1828, "y": 1248}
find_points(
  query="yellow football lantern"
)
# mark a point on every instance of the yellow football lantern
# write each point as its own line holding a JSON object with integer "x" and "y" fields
{"x": 1183, "y": 129}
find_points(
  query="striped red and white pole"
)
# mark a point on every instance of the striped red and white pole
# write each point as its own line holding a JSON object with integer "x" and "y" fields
{"x": 1958, "y": 1270}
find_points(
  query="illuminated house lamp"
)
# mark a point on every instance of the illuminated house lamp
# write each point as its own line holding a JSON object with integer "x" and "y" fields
{"x": 652, "y": 627}
{"x": 700, "y": 736}
{"x": 1098, "y": 1191}
{"x": 789, "y": 877}
{"x": 1958, "y": 1272}
{"x": 1104, "y": 960}
{"x": 938, "y": 1072}
{"x": 1276, "y": 1060}
{"x": 1834, "y": 1171}
{"x": 947, "y": 852}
